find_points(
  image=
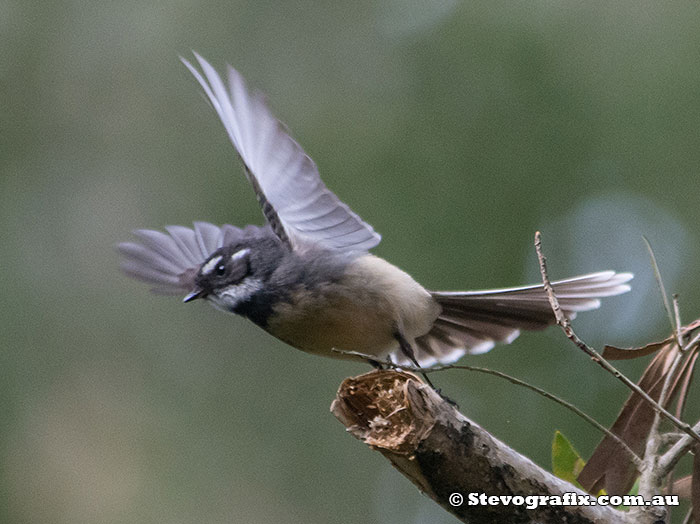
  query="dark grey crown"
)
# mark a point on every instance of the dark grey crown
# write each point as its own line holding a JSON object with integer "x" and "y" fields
{"x": 255, "y": 255}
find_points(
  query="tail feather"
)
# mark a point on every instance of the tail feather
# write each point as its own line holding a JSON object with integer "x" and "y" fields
{"x": 484, "y": 328}
{"x": 474, "y": 321}
{"x": 444, "y": 345}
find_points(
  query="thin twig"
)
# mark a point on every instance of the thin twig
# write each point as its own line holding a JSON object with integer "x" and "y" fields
{"x": 650, "y": 481}
{"x": 667, "y": 462}
{"x": 593, "y": 422}
{"x": 694, "y": 342}
{"x": 678, "y": 329}
{"x": 669, "y": 459}
{"x": 660, "y": 283}
{"x": 670, "y": 438}
{"x": 689, "y": 351}
{"x": 565, "y": 324}
{"x": 670, "y": 375}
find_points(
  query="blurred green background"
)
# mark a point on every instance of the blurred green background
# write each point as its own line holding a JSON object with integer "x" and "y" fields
{"x": 455, "y": 129}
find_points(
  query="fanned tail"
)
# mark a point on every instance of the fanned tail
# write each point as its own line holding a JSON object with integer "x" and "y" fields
{"x": 474, "y": 321}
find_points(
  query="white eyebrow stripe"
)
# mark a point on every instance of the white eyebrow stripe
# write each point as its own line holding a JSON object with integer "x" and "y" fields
{"x": 240, "y": 254}
{"x": 209, "y": 266}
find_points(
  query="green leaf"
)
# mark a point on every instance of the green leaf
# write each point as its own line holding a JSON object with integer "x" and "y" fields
{"x": 566, "y": 461}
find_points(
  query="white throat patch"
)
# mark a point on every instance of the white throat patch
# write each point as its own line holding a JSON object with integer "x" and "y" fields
{"x": 229, "y": 297}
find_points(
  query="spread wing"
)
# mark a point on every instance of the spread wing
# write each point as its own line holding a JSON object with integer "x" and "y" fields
{"x": 297, "y": 205}
{"x": 169, "y": 261}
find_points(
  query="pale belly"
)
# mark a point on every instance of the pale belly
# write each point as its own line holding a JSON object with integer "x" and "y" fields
{"x": 362, "y": 313}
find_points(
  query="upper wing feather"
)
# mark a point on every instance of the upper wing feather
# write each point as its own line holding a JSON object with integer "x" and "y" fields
{"x": 169, "y": 262}
{"x": 295, "y": 202}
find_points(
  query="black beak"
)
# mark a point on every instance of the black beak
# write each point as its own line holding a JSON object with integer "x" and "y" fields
{"x": 196, "y": 293}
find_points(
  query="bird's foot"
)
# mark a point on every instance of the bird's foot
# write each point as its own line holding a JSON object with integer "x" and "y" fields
{"x": 446, "y": 398}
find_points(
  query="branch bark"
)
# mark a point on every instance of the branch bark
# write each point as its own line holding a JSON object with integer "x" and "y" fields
{"x": 442, "y": 452}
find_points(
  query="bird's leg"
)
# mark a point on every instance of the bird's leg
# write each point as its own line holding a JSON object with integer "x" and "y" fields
{"x": 375, "y": 364}
{"x": 407, "y": 350}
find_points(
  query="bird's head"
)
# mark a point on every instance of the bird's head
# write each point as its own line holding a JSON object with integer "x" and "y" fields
{"x": 231, "y": 275}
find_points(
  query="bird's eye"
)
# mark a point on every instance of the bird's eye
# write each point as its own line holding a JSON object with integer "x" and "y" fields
{"x": 220, "y": 269}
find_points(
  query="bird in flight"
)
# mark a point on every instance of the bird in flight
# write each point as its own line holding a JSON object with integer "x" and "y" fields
{"x": 307, "y": 276}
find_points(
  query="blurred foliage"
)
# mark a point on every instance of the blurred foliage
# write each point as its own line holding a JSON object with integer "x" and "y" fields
{"x": 456, "y": 128}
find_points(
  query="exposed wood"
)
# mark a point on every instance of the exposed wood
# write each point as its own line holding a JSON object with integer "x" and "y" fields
{"x": 442, "y": 452}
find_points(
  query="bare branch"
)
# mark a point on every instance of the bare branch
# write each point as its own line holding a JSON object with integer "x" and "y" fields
{"x": 513, "y": 380}
{"x": 565, "y": 324}
{"x": 650, "y": 480}
{"x": 669, "y": 459}
{"x": 694, "y": 342}
{"x": 443, "y": 453}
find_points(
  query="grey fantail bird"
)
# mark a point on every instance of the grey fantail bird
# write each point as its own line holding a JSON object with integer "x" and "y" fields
{"x": 307, "y": 276}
